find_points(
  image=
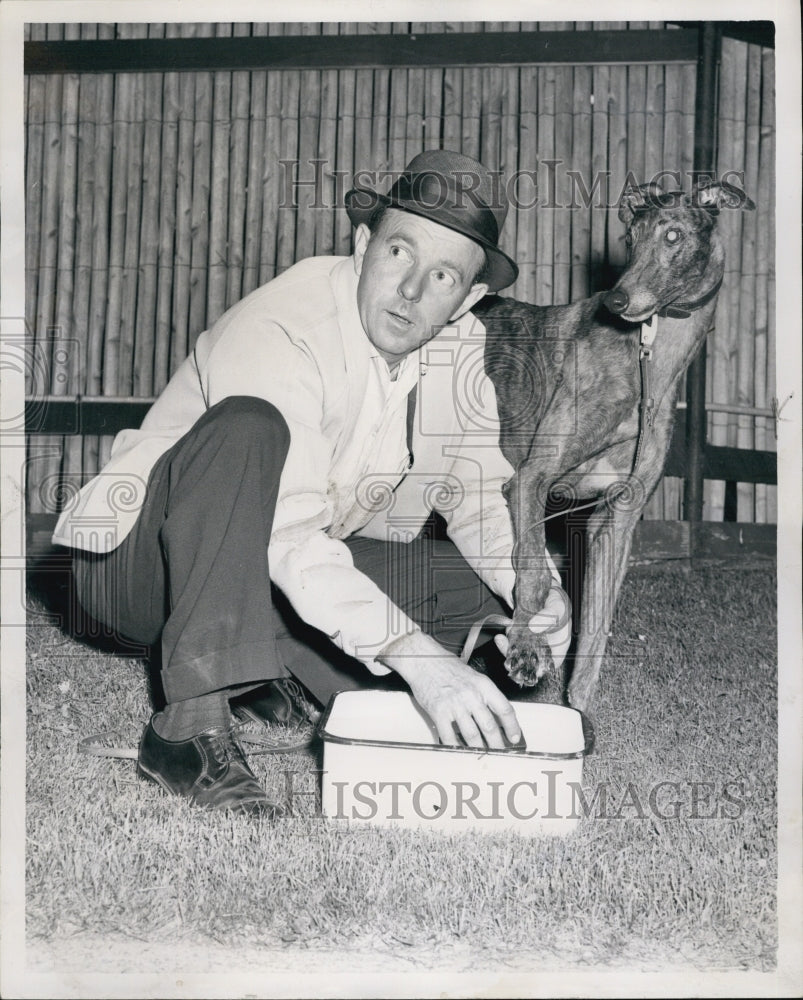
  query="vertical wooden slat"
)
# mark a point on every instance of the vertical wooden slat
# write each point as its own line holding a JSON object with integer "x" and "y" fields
{"x": 735, "y": 151}
{"x": 220, "y": 184}
{"x": 718, "y": 341}
{"x": 185, "y": 221}
{"x": 363, "y": 125}
{"x": 308, "y": 153}
{"x": 673, "y": 120}
{"x": 168, "y": 223}
{"x": 276, "y": 200}
{"x": 654, "y": 123}
{"x": 674, "y": 150}
{"x": 653, "y": 168}
{"x": 709, "y": 45}
{"x": 688, "y": 76}
{"x": 414, "y": 114}
{"x": 581, "y": 163}
{"x": 471, "y": 128}
{"x": 66, "y": 348}
{"x": 509, "y": 161}
{"x": 544, "y": 240}
{"x": 329, "y": 125}
{"x": 259, "y": 152}
{"x": 122, "y": 184}
{"x": 291, "y": 111}
{"x": 528, "y": 192}
{"x": 433, "y": 92}
{"x": 34, "y": 197}
{"x": 238, "y": 178}
{"x": 490, "y": 111}
{"x": 104, "y": 141}
{"x": 635, "y": 164}
{"x": 82, "y": 264}
{"x": 201, "y": 191}
{"x": 637, "y": 115}
{"x": 145, "y": 342}
{"x": 398, "y": 109}
{"x": 123, "y": 104}
{"x": 673, "y": 486}
{"x": 745, "y": 438}
{"x": 82, "y": 260}
{"x": 618, "y": 166}
{"x": 349, "y": 110}
{"x": 599, "y": 164}
{"x": 765, "y": 212}
{"x": 564, "y": 100}
{"x": 452, "y": 100}
{"x": 44, "y": 453}
{"x": 380, "y": 156}
{"x": 609, "y": 144}
{"x": 133, "y": 208}
{"x": 771, "y": 215}
{"x": 722, "y": 343}
{"x": 48, "y": 247}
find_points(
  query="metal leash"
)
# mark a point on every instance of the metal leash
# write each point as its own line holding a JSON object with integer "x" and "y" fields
{"x": 502, "y": 621}
{"x": 647, "y": 402}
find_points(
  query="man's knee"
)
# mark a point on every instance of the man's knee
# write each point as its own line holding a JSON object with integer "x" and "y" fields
{"x": 244, "y": 417}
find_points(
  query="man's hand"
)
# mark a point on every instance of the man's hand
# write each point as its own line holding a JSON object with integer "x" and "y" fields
{"x": 554, "y": 622}
{"x": 453, "y": 695}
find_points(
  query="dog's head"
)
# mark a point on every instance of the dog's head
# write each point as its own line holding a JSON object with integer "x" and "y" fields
{"x": 706, "y": 194}
{"x": 673, "y": 253}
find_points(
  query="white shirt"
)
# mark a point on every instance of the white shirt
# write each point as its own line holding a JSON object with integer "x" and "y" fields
{"x": 298, "y": 342}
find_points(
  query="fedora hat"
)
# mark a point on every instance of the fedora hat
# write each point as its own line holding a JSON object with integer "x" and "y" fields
{"x": 455, "y": 191}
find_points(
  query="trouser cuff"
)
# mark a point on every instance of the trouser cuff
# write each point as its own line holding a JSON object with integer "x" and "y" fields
{"x": 246, "y": 663}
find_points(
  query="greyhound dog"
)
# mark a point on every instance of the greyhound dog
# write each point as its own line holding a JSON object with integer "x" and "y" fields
{"x": 586, "y": 396}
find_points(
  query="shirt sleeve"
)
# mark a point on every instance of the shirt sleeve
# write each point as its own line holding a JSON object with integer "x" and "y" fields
{"x": 315, "y": 572}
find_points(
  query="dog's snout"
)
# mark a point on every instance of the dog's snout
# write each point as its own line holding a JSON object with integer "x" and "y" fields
{"x": 617, "y": 301}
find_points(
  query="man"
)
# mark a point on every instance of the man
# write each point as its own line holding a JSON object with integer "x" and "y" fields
{"x": 303, "y": 443}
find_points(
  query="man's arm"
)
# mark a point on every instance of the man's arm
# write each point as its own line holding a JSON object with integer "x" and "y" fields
{"x": 316, "y": 572}
{"x": 454, "y": 696}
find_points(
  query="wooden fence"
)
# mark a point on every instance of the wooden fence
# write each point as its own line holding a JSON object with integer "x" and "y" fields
{"x": 156, "y": 200}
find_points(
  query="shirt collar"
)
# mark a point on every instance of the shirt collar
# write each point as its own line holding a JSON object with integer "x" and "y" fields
{"x": 344, "y": 281}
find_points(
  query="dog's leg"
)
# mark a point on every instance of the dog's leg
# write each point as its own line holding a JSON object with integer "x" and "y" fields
{"x": 610, "y": 535}
{"x": 529, "y": 660}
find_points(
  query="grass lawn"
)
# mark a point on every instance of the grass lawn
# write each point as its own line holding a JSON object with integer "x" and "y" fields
{"x": 121, "y": 876}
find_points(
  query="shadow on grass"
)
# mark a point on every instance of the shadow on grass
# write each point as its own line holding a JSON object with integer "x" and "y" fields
{"x": 50, "y": 585}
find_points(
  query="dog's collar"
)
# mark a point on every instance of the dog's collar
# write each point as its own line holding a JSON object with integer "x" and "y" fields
{"x": 682, "y": 310}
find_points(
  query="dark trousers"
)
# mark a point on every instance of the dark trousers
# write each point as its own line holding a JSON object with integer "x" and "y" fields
{"x": 193, "y": 573}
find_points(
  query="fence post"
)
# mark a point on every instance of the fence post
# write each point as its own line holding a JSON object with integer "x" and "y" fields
{"x": 704, "y": 161}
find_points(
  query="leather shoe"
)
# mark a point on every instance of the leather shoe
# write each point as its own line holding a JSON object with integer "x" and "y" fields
{"x": 210, "y": 769}
{"x": 282, "y": 701}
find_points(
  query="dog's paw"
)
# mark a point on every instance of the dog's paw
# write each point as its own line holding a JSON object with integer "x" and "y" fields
{"x": 530, "y": 664}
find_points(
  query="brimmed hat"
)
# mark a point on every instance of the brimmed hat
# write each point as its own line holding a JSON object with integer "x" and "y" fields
{"x": 455, "y": 191}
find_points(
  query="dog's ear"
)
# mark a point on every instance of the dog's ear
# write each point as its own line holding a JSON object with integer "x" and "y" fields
{"x": 635, "y": 198}
{"x": 718, "y": 195}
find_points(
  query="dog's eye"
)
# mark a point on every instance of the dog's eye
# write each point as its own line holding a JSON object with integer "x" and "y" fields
{"x": 629, "y": 238}
{"x": 673, "y": 236}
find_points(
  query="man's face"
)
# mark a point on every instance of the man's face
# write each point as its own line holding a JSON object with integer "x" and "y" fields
{"x": 415, "y": 276}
